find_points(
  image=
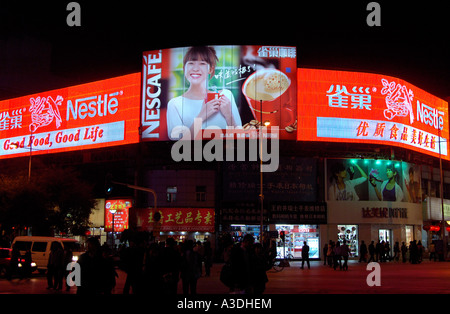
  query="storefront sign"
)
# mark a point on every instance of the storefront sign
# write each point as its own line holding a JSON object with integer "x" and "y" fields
{"x": 178, "y": 219}
{"x": 274, "y": 212}
{"x": 300, "y": 213}
{"x": 99, "y": 114}
{"x": 370, "y": 108}
{"x": 236, "y": 80}
{"x": 295, "y": 180}
{"x": 374, "y": 212}
{"x": 120, "y": 207}
{"x": 384, "y": 212}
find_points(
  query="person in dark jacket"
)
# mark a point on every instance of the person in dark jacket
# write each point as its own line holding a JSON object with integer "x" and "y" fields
{"x": 191, "y": 266}
{"x": 55, "y": 266}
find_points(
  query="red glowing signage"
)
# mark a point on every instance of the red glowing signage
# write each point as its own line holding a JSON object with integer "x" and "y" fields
{"x": 179, "y": 219}
{"x": 120, "y": 208}
{"x": 99, "y": 114}
{"x": 232, "y": 88}
{"x": 355, "y": 107}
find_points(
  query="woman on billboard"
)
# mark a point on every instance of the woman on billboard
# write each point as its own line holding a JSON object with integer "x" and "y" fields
{"x": 198, "y": 104}
{"x": 341, "y": 190}
{"x": 390, "y": 190}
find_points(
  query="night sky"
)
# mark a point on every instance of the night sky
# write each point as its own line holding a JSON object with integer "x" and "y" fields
{"x": 39, "y": 51}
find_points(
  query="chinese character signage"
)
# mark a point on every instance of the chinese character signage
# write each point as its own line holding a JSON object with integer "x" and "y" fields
{"x": 121, "y": 214}
{"x": 178, "y": 219}
{"x": 98, "y": 114}
{"x": 368, "y": 108}
{"x": 294, "y": 180}
{"x": 373, "y": 180}
{"x": 187, "y": 90}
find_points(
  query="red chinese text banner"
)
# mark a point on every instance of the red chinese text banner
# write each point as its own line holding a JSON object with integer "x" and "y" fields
{"x": 121, "y": 215}
{"x": 359, "y": 107}
{"x": 177, "y": 219}
{"x": 93, "y": 115}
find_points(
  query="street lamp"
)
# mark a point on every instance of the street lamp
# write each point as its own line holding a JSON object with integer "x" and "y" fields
{"x": 113, "y": 212}
{"x": 444, "y": 239}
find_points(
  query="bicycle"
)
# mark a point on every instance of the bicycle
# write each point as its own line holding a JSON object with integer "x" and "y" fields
{"x": 279, "y": 263}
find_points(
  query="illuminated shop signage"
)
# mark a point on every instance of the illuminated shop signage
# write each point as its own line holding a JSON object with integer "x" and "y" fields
{"x": 178, "y": 219}
{"x": 384, "y": 212}
{"x": 120, "y": 208}
{"x": 370, "y": 108}
{"x": 98, "y": 114}
{"x": 232, "y": 88}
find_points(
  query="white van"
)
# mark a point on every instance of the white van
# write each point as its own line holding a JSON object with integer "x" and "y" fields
{"x": 40, "y": 248}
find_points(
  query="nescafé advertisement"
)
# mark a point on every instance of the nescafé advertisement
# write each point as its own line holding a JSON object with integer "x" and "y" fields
{"x": 231, "y": 88}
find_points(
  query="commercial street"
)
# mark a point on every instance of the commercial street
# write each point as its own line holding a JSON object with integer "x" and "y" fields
{"x": 396, "y": 278}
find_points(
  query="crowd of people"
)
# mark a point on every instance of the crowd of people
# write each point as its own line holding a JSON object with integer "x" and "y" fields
{"x": 381, "y": 252}
{"x": 150, "y": 267}
{"x": 337, "y": 254}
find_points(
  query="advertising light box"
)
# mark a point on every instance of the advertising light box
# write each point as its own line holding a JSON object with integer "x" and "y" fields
{"x": 230, "y": 88}
{"x": 99, "y": 114}
{"x": 339, "y": 106}
{"x": 120, "y": 208}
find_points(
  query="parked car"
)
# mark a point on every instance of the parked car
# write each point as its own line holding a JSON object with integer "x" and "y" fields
{"x": 40, "y": 248}
{"x": 5, "y": 262}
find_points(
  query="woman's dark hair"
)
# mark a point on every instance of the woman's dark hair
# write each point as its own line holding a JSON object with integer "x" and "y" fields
{"x": 336, "y": 168}
{"x": 203, "y": 53}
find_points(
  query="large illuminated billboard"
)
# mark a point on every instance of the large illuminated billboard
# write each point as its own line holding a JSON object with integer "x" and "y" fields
{"x": 339, "y": 106}
{"x": 232, "y": 88}
{"x": 99, "y": 114}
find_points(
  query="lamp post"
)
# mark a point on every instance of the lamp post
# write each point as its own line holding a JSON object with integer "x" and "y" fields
{"x": 113, "y": 212}
{"x": 261, "y": 190}
{"x": 444, "y": 239}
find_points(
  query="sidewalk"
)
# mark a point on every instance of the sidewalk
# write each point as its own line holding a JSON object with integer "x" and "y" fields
{"x": 396, "y": 278}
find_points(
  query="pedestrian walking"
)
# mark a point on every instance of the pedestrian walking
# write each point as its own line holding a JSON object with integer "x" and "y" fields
{"x": 191, "y": 265}
{"x": 330, "y": 254}
{"x": 345, "y": 253}
{"x": 396, "y": 251}
{"x": 432, "y": 250}
{"x": 260, "y": 266}
{"x": 404, "y": 251}
{"x": 363, "y": 252}
{"x": 305, "y": 254}
{"x": 324, "y": 254}
{"x": 207, "y": 258}
{"x": 55, "y": 266}
{"x": 171, "y": 261}
{"x": 372, "y": 252}
{"x": 132, "y": 261}
{"x": 419, "y": 251}
{"x": 93, "y": 269}
{"x": 337, "y": 256}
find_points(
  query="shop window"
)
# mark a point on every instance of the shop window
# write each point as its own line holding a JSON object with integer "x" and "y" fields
{"x": 171, "y": 194}
{"x": 200, "y": 192}
{"x": 409, "y": 230}
{"x": 349, "y": 233}
{"x": 295, "y": 236}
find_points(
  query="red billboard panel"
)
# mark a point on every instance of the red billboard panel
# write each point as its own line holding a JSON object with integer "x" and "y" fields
{"x": 178, "y": 219}
{"x": 338, "y": 106}
{"x": 230, "y": 88}
{"x": 120, "y": 208}
{"x": 99, "y": 114}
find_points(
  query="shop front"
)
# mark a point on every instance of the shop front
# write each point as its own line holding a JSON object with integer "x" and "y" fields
{"x": 294, "y": 238}
{"x": 178, "y": 223}
{"x": 354, "y": 222}
{"x": 300, "y": 222}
